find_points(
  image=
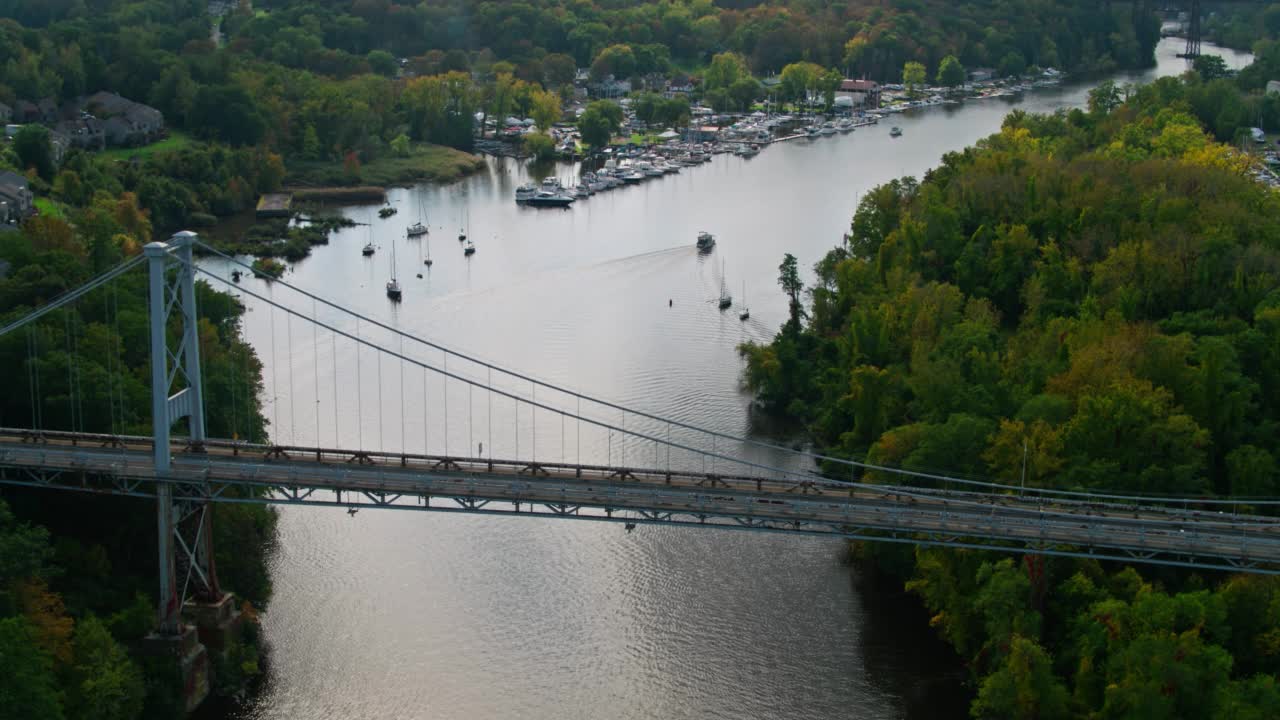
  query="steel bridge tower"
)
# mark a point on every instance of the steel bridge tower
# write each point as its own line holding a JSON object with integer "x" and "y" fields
{"x": 1193, "y": 32}
{"x": 188, "y": 578}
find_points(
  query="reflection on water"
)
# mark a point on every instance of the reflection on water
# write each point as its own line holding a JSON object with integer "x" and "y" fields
{"x": 415, "y": 615}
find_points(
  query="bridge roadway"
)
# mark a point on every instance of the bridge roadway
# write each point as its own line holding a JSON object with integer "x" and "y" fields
{"x": 227, "y": 471}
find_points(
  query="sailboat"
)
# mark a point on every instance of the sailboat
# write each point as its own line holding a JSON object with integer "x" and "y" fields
{"x": 462, "y": 231}
{"x": 745, "y": 313}
{"x": 368, "y": 246}
{"x": 419, "y": 228}
{"x": 470, "y": 249}
{"x": 427, "y": 262}
{"x": 725, "y": 298}
{"x": 393, "y": 285}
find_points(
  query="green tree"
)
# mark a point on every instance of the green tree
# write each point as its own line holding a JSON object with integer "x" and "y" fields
{"x": 616, "y": 60}
{"x": 540, "y": 146}
{"x": 1210, "y": 67}
{"x": 558, "y": 69}
{"x": 1104, "y": 98}
{"x": 28, "y": 686}
{"x": 725, "y": 69}
{"x": 913, "y": 77}
{"x": 827, "y": 84}
{"x": 951, "y": 73}
{"x": 599, "y": 121}
{"x": 546, "y": 109}
{"x": 382, "y": 63}
{"x": 1024, "y": 687}
{"x": 105, "y": 684}
{"x": 1252, "y": 471}
{"x": 798, "y": 79}
{"x": 743, "y": 92}
{"x": 400, "y": 145}
{"x": 1012, "y": 64}
{"x": 34, "y": 150}
{"x": 789, "y": 280}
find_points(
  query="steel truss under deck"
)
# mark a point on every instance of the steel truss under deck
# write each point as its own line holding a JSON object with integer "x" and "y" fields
{"x": 236, "y": 473}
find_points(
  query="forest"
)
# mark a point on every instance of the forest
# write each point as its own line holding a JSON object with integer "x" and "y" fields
{"x": 77, "y": 573}
{"x": 1087, "y": 300}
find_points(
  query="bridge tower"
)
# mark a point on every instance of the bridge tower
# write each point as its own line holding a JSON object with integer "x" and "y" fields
{"x": 1193, "y": 32}
{"x": 187, "y": 576}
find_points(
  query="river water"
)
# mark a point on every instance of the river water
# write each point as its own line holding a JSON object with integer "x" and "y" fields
{"x": 390, "y": 615}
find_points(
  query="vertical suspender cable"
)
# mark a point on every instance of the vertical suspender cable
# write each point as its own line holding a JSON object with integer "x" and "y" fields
{"x": 359, "y": 392}
{"x": 118, "y": 346}
{"x": 35, "y": 349}
{"x": 333, "y": 355}
{"x": 470, "y": 411}
{"x": 31, "y": 380}
{"x": 533, "y": 416}
{"x": 315, "y": 369}
{"x": 445, "y": 383}
{"x": 489, "y": 412}
{"x": 195, "y": 312}
{"x": 275, "y": 382}
{"x": 293, "y": 417}
{"x": 426, "y": 427}
{"x": 77, "y": 327}
{"x": 71, "y": 405}
{"x": 235, "y": 386}
{"x": 404, "y": 446}
{"x": 668, "y": 447}
{"x": 111, "y": 385}
{"x": 382, "y": 438}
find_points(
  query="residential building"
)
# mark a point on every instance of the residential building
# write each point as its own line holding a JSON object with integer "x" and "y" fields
{"x": 862, "y": 93}
{"x": 85, "y": 132}
{"x": 6, "y": 114}
{"x": 124, "y": 122}
{"x": 16, "y": 200}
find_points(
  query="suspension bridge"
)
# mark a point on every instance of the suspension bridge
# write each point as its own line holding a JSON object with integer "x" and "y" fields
{"x": 510, "y": 444}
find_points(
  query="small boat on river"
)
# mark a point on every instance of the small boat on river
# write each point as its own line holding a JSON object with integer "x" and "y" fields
{"x": 706, "y": 241}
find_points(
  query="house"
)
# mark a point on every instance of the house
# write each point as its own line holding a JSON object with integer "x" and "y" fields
{"x": 124, "y": 122}
{"x": 85, "y": 132}
{"x": 6, "y": 114}
{"x": 612, "y": 87}
{"x": 16, "y": 198}
{"x": 981, "y": 75}
{"x": 26, "y": 112}
{"x": 1273, "y": 86}
{"x": 48, "y": 109}
{"x": 60, "y": 143}
{"x": 861, "y": 93}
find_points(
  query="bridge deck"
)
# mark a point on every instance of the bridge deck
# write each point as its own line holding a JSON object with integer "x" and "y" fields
{"x": 235, "y": 472}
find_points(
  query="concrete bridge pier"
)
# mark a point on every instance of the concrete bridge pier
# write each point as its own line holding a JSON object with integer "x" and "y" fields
{"x": 190, "y": 657}
{"x": 217, "y": 622}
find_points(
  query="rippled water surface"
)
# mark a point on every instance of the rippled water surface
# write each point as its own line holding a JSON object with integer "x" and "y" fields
{"x": 389, "y": 615}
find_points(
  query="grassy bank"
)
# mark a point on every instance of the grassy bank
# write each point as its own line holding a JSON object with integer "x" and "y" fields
{"x": 425, "y": 162}
{"x": 177, "y": 140}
